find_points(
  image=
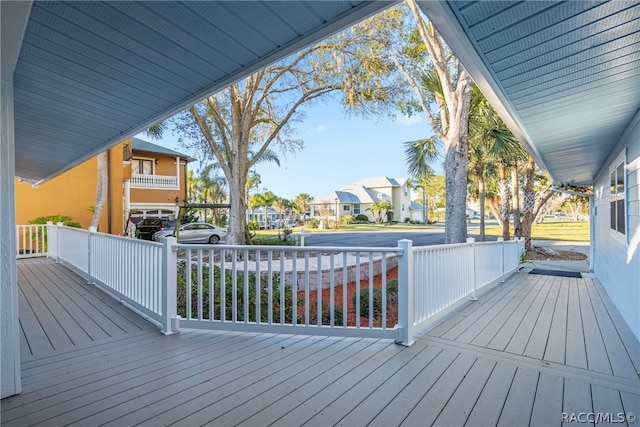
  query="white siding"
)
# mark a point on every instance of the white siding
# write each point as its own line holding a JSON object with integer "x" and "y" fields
{"x": 617, "y": 257}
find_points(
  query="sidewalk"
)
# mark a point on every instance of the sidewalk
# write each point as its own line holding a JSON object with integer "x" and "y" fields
{"x": 579, "y": 266}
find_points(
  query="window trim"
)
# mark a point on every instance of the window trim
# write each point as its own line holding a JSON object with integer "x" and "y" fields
{"x": 153, "y": 164}
{"x": 617, "y": 195}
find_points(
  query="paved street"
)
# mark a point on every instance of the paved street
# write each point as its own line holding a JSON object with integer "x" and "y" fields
{"x": 387, "y": 238}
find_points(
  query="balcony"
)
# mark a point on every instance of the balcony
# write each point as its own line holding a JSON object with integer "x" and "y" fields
{"x": 164, "y": 182}
{"x": 531, "y": 350}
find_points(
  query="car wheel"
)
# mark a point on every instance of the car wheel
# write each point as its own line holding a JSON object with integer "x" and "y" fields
{"x": 214, "y": 239}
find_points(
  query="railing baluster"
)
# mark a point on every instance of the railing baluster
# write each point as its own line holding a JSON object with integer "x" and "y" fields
{"x": 319, "y": 290}
{"x": 332, "y": 284}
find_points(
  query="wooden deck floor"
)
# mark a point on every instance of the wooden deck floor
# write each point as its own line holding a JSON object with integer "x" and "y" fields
{"x": 524, "y": 354}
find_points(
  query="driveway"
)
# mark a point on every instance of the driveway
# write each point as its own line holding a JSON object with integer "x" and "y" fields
{"x": 387, "y": 238}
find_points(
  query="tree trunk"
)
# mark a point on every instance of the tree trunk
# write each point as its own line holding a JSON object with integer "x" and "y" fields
{"x": 456, "y": 207}
{"x": 529, "y": 202}
{"x": 504, "y": 201}
{"x": 481, "y": 198}
{"x": 102, "y": 188}
{"x": 515, "y": 196}
{"x": 237, "y": 213}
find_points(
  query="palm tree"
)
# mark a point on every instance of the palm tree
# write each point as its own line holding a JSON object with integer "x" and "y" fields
{"x": 491, "y": 144}
{"x": 377, "y": 209}
{"x": 419, "y": 155}
{"x": 301, "y": 203}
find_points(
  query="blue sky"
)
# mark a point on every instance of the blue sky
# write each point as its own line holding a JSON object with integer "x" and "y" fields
{"x": 338, "y": 150}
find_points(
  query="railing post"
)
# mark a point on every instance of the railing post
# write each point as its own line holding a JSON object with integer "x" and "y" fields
{"x": 92, "y": 232}
{"x": 58, "y": 227}
{"x": 170, "y": 321}
{"x": 404, "y": 333}
{"x": 501, "y": 240}
{"x": 474, "y": 297}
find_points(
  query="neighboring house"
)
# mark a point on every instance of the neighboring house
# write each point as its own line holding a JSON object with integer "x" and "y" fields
{"x": 157, "y": 181}
{"x": 145, "y": 180}
{"x": 357, "y": 199}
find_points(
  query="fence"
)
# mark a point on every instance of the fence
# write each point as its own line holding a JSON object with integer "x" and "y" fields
{"x": 445, "y": 276}
{"x": 31, "y": 240}
{"x": 321, "y": 291}
{"x": 298, "y": 290}
{"x": 137, "y": 272}
{"x": 154, "y": 181}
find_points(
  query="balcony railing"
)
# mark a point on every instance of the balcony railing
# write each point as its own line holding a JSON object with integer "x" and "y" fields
{"x": 154, "y": 181}
{"x": 297, "y": 290}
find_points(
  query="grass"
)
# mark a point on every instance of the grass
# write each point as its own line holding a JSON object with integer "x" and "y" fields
{"x": 348, "y": 227}
{"x": 576, "y": 231}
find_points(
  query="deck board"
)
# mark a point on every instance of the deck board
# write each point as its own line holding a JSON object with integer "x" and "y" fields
{"x": 59, "y": 310}
{"x": 576, "y": 354}
{"x": 485, "y": 365}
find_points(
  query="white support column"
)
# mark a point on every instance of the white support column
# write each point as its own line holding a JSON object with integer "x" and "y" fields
{"x": 13, "y": 22}
{"x": 126, "y": 206}
{"x": 170, "y": 320}
{"x": 10, "y": 340}
{"x": 405, "y": 294}
{"x": 178, "y": 171}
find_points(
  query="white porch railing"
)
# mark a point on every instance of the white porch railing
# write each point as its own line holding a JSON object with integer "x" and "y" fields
{"x": 301, "y": 290}
{"x": 445, "y": 276}
{"x": 139, "y": 273}
{"x": 31, "y": 240}
{"x": 298, "y": 290}
{"x": 154, "y": 181}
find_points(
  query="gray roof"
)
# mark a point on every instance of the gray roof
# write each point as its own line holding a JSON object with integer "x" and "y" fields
{"x": 148, "y": 147}
{"x": 374, "y": 182}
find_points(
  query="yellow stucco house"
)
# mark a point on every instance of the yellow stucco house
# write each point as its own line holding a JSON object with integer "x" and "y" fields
{"x": 145, "y": 180}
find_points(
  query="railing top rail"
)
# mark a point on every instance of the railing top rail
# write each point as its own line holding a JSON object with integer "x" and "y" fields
{"x": 113, "y": 236}
{"x": 384, "y": 249}
{"x": 444, "y": 245}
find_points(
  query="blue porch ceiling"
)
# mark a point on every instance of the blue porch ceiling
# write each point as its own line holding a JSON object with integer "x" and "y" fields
{"x": 90, "y": 73}
{"x": 564, "y": 75}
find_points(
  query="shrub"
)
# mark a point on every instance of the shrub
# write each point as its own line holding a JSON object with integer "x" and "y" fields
{"x": 392, "y": 297}
{"x": 312, "y": 223}
{"x": 228, "y": 293}
{"x": 253, "y": 225}
{"x": 338, "y": 315}
{"x": 66, "y": 220}
{"x": 347, "y": 219}
{"x": 364, "y": 302}
{"x": 361, "y": 219}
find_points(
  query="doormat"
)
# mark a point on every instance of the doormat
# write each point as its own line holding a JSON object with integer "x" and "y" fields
{"x": 557, "y": 273}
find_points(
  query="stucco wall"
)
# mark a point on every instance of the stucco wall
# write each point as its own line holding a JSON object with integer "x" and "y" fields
{"x": 617, "y": 257}
{"x": 72, "y": 193}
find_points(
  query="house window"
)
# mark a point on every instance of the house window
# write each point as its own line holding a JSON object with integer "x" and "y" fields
{"x": 618, "y": 199}
{"x": 356, "y": 209}
{"x": 142, "y": 166}
{"x": 345, "y": 207}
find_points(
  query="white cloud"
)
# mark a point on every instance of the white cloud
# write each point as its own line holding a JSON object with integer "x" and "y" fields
{"x": 409, "y": 120}
{"x": 320, "y": 129}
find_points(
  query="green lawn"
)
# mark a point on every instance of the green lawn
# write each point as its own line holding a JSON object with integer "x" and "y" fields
{"x": 548, "y": 230}
{"x": 351, "y": 227}
{"x": 577, "y": 231}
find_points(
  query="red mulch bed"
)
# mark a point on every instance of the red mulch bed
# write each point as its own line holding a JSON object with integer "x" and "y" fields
{"x": 392, "y": 309}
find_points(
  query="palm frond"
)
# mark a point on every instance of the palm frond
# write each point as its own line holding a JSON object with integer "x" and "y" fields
{"x": 419, "y": 155}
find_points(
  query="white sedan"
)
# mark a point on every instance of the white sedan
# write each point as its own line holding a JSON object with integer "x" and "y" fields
{"x": 195, "y": 232}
